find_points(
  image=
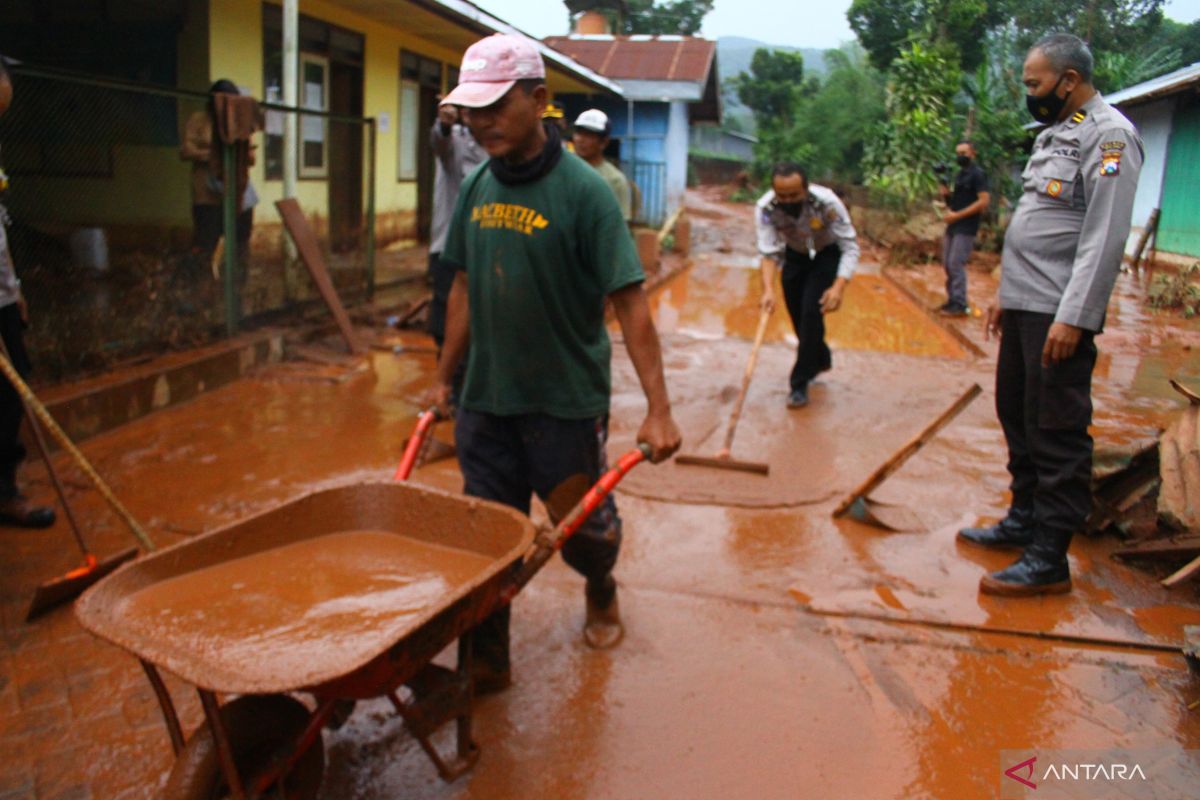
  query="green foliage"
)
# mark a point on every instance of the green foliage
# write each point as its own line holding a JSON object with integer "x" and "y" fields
{"x": 1181, "y": 291}
{"x": 995, "y": 94}
{"x": 678, "y": 17}
{"x": 1116, "y": 70}
{"x": 771, "y": 87}
{"x": 899, "y": 159}
{"x": 887, "y": 27}
{"x": 1116, "y": 25}
{"x": 1181, "y": 37}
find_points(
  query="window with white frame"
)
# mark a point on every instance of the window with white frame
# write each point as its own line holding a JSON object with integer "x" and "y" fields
{"x": 314, "y": 130}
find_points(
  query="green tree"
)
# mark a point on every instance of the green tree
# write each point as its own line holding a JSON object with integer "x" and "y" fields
{"x": 835, "y": 122}
{"x": 1183, "y": 37}
{"x": 993, "y": 116}
{"x": 677, "y": 17}
{"x": 1116, "y": 70}
{"x": 885, "y": 28}
{"x": 772, "y": 85}
{"x": 900, "y": 157}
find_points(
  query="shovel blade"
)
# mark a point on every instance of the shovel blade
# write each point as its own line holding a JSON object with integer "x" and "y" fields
{"x": 59, "y": 590}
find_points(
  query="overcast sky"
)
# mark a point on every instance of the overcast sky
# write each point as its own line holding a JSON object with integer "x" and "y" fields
{"x": 800, "y": 24}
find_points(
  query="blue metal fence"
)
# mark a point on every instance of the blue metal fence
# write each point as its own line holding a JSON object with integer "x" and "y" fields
{"x": 650, "y": 191}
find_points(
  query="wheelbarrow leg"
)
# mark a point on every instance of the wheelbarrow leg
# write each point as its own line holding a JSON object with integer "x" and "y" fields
{"x": 468, "y": 751}
{"x": 212, "y": 712}
{"x": 170, "y": 717}
{"x": 439, "y": 695}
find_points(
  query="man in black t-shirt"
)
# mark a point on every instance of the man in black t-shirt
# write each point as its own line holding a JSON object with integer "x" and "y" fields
{"x": 965, "y": 206}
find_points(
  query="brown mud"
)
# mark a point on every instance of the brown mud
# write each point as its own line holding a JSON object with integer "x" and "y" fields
{"x": 725, "y": 686}
{"x": 307, "y": 607}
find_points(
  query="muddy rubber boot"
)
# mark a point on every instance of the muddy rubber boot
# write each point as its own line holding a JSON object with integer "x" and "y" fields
{"x": 1014, "y": 531}
{"x": 1041, "y": 569}
{"x": 602, "y": 629}
{"x": 17, "y": 511}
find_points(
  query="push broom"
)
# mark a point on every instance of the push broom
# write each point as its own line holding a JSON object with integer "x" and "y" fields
{"x": 71, "y": 584}
{"x": 723, "y": 459}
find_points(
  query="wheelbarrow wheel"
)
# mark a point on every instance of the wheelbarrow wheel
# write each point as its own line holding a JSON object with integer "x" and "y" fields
{"x": 260, "y": 727}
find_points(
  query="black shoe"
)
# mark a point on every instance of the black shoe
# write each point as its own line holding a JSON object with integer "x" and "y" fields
{"x": 798, "y": 398}
{"x": 18, "y": 512}
{"x": 1041, "y": 569}
{"x": 1014, "y": 531}
{"x": 954, "y": 310}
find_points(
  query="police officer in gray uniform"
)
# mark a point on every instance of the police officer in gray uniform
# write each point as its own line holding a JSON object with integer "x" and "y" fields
{"x": 805, "y": 229}
{"x": 1062, "y": 253}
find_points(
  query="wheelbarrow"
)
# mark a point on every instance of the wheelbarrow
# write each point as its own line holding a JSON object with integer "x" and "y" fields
{"x": 344, "y": 594}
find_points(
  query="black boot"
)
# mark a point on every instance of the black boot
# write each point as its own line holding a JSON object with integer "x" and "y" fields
{"x": 1014, "y": 531}
{"x": 1041, "y": 569}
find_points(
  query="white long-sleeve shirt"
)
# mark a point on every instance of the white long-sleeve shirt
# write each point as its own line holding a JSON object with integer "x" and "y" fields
{"x": 823, "y": 221}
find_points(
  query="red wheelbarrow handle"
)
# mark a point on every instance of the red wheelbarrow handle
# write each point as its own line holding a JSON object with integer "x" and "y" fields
{"x": 415, "y": 442}
{"x": 545, "y": 546}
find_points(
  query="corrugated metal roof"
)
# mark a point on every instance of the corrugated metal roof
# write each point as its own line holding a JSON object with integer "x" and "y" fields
{"x": 469, "y": 12}
{"x": 647, "y": 58}
{"x": 1156, "y": 87}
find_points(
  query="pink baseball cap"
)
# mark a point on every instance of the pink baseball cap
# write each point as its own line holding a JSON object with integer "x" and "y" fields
{"x": 491, "y": 67}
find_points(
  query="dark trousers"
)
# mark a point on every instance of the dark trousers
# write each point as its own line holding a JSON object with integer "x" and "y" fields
{"x": 509, "y": 459}
{"x": 956, "y": 251}
{"x": 208, "y": 226}
{"x": 12, "y": 453}
{"x": 804, "y": 281}
{"x": 1045, "y": 413}
{"x": 442, "y": 277}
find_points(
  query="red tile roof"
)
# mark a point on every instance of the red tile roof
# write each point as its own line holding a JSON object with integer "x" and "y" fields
{"x": 674, "y": 58}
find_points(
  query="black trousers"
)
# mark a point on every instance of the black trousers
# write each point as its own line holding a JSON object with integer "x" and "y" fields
{"x": 442, "y": 276}
{"x": 509, "y": 459}
{"x": 12, "y": 453}
{"x": 804, "y": 280}
{"x": 1045, "y": 413}
{"x": 208, "y": 226}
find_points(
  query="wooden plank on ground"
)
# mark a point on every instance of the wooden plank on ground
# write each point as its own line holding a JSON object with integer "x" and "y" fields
{"x": 310, "y": 253}
{"x": 1179, "y": 547}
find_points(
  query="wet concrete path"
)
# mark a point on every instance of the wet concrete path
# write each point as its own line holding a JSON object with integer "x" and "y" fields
{"x": 756, "y": 664}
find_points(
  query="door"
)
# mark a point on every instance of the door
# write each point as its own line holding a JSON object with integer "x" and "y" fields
{"x": 425, "y": 162}
{"x": 346, "y": 148}
{"x": 1179, "y": 225}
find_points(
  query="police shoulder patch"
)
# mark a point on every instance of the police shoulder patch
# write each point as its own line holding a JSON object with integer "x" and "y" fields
{"x": 1110, "y": 146}
{"x": 1079, "y": 116}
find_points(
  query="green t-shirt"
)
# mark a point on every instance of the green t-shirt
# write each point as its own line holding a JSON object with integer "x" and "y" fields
{"x": 540, "y": 259}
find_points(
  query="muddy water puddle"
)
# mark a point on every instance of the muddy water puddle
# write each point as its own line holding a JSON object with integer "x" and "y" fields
{"x": 303, "y": 608}
{"x": 714, "y": 301}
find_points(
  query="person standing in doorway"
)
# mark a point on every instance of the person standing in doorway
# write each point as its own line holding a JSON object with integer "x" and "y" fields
{"x": 805, "y": 230}
{"x": 965, "y": 206}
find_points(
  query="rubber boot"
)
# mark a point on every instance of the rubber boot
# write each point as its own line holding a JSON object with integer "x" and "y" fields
{"x": 16, "y": 511}
{"x": 1014, "y": 531}
{"x": 602, "y": 629}
{"x": 1041, "y": 569}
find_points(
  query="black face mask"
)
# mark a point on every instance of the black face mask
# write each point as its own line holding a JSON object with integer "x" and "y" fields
{"x": 536, "y": 168}
{"x": 1046, "y": 108}
{"x": 791, "y": 209}
{"x": 963, "y": 161}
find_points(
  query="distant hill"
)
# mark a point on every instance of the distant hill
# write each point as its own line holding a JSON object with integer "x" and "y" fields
{"x": 733, "y": 57}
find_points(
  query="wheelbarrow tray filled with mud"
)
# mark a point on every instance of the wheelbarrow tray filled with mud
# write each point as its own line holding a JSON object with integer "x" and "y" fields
{"x": 343, "y": 594}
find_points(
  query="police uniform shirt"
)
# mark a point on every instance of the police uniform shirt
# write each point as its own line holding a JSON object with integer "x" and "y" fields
{"x": 824, "y": 221}
{"x": 1064, "y": 246}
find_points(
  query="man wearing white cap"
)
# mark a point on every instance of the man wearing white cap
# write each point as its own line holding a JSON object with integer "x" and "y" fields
{"x": 539, "y": 245}
{"x": 592, "y": 131}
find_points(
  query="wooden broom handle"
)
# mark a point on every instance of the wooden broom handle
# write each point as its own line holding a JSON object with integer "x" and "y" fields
{"x": 35, "y": 405}
{"x": 763, "y": 319}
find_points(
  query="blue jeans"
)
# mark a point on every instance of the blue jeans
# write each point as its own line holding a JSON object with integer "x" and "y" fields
{"x": 508, "y": 459}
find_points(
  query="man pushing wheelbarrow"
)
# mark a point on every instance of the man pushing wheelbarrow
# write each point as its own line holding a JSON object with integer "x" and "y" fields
{"x": 538, "y": 243}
